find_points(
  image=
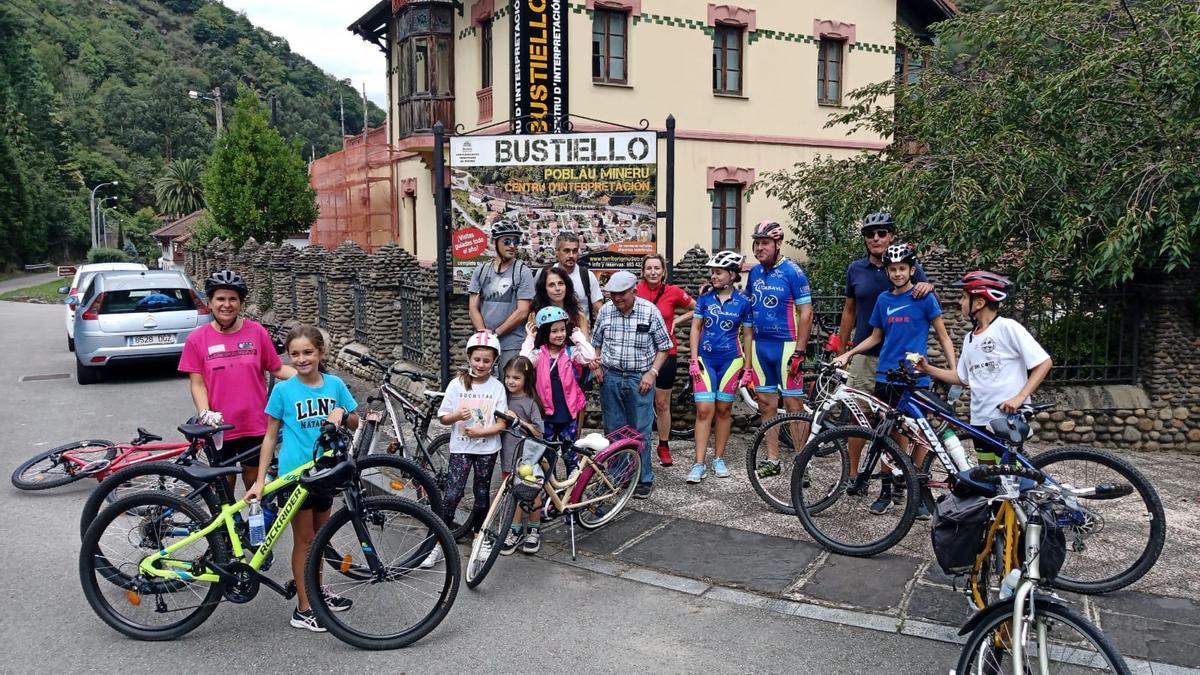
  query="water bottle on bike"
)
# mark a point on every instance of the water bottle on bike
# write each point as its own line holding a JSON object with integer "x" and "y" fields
{"x": 257, "y": 522}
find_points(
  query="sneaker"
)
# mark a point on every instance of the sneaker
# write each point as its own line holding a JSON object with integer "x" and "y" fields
{"x": 485, "y": 546}
{"x": 768, "y": 468}
{"x": 533, "y": 541}
{"x": 853, "y": 489}
{"x": 435, "y": 556}
{"x": 883, "y": 502}
{"x": 306, "y": 619}
{"x": 664, "y": 454}
{"x": 719, "y": 468}
{"x": 697, "y": 473}
{"x": 512, "y": 541}
{"x": 922, "y": 511}
{"x": 335, "y": 602}
{"x": 643, "y": 491}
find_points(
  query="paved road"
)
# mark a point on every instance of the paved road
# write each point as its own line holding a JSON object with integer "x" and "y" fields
{"x": 532, "y": 614}
{"x": 26, "y": 282}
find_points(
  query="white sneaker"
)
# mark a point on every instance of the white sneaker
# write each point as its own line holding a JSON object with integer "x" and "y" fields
{"x": 435, "y": 556}
{"x": 485, "y": 547}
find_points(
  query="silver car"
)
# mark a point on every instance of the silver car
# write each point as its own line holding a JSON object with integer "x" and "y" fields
{"x": 128, "y": 316}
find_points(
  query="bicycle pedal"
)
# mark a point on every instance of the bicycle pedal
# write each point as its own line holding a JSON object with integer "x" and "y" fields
{"x": 95, "y": 467}
{"x": 289, "y": 589}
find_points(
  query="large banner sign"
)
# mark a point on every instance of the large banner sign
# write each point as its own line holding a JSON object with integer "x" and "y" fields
{"x": 600, "y": 186}
{"x": 539, "y": 69}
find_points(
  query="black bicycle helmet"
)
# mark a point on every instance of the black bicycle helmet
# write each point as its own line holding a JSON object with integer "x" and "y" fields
{"x": 878, "y": 220}
{"x": 226, "y": 279}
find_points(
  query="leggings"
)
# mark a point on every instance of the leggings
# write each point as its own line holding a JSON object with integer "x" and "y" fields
{"x": 456, "y": 485}
{"x": 563, "y": 431}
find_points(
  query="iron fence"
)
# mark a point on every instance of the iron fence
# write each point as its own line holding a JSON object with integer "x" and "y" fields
{"x": 322, "y": 303}
{"x": 1092, "y": 337}
{"x": 411, "y": 344}
{"x": 359, "y": 298}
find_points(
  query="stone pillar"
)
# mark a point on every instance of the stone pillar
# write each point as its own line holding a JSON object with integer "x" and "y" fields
{"x": 1168, "y": 358}
{"x": 281, "y": 281}
{"x": 243, "y": 262}
{"x": 689, "y": 273}
{"x": 260, "y": 285}
{"x": 308, "y": 267}
{"x": 344, "y": 267}
{"x": 382, "y": 286}
{"x": 211, "y": 256}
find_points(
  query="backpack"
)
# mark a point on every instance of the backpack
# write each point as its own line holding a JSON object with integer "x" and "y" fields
{"x": 959, "y": 523}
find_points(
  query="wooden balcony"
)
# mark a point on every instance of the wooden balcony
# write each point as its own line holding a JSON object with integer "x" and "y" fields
{"x": 419, "y": 113}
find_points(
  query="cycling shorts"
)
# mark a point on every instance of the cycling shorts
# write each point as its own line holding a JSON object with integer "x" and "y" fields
{"x": 770, "y": 362}
{"x": 719, "y": 376}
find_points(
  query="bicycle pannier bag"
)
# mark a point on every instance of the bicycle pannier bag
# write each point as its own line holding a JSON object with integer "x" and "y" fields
{"x": 957, "y": 532}
{"x": 1053, "y": 551}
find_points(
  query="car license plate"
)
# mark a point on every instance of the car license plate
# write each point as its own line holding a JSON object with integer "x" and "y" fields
{"x": 138, "y": 340}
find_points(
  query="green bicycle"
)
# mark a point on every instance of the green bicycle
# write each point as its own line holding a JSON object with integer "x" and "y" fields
{"x": 154, "y": 565}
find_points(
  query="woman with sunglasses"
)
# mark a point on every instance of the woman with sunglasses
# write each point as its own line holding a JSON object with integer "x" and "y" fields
{"x": 501, "y": 291}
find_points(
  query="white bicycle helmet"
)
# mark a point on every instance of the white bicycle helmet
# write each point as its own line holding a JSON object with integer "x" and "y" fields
{"x": 726, "y": 260}
{"x": 483, "y": 339}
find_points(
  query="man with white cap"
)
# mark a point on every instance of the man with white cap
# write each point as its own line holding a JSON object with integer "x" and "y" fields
{"x": 633, "y": 342}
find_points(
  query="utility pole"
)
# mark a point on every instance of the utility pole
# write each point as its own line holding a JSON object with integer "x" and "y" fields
{"x": 92, "y": 210}
{"x": 215, "y": 98}
{"x": 342, "y": 112}
{"x": 364, "y": 89}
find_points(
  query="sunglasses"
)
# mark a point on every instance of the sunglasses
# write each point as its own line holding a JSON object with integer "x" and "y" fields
{"x": 510, "y": 241}
{"x": 876, "y": 234}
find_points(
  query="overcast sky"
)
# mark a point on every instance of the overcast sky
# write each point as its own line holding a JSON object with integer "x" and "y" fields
{"x": 316, "y": 29}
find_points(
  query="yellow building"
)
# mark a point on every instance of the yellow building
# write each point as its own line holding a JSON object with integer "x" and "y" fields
{"x": 751, "y": 86}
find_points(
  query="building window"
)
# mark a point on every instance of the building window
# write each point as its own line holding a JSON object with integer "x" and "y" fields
{"x": 425, "y": 44}
{"x": 727, "y": 60}
{"x": 726, "y": 216}
{"x": 610, "y": 53}
{"x": 829, "y": 71}
{"x": 485, "y": 54}
{"x": 908, "y": 65}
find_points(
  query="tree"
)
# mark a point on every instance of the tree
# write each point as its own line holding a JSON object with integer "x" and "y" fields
{"x": 1059, "y": 133}
{"x": 180, "y": 190}
{"x": 256, "y": 185}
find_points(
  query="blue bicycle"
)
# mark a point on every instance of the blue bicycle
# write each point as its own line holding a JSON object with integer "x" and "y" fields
{"x": 864, "y": 505}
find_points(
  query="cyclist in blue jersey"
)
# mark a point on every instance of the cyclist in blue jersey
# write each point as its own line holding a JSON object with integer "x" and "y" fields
{"x": 720, "y": 323}
{"x": 781, "y": 303}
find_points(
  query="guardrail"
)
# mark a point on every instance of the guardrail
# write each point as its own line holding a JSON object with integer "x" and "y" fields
{"x": 38, "y": 266}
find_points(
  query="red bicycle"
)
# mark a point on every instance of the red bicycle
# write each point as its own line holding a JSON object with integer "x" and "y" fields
{"x": 98, "y": 459}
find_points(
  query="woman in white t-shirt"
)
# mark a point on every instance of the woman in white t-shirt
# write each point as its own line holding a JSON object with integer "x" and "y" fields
{"x": 1001, "y": 362}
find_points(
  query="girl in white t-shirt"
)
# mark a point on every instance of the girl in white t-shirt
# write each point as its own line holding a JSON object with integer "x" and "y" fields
{"x": 469, "y": 408}
{"x": 1001, "y": 362}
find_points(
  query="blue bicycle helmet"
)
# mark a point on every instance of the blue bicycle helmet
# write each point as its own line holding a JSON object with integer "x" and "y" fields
{"x": 550, "y": 314}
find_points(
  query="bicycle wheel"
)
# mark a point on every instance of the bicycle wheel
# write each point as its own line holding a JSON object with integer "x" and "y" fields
{"x": 402, "y": 603}
{"x": 683, "y": 400}
{"x": 838, "y": 511}
{"x": 135, "y": 604}
{"x": 50, "y": 469}
{"x": 934, "y": 477}
{"x": 622, "y": 469}
{"x": 1111, "y": 543}
{"x": 486, "y": 546}
{"x": 364, "y": 437}
{"x": 396, "y": 476}
{"x": 775, "y": 488}
{"x": 164, "y": 476}
{"x": 1068, "y": 643}
{"x": 436, "y": 460}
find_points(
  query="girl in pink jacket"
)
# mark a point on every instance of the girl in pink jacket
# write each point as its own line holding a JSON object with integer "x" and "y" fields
{"x": 558, "y": 366}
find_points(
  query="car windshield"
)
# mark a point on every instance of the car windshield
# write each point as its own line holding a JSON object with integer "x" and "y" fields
{"x": 147, "y": 300}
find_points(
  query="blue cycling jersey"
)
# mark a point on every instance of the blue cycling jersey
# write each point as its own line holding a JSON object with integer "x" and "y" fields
{"x": 773, "y": 295}
{"x": 723, "y": 323}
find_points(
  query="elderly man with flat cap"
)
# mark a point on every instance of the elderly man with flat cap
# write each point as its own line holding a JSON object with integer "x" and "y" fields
{"x": 633, "y": 342}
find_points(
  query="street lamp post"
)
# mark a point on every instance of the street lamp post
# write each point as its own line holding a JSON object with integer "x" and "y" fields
{"x": 215, "y": 98}
{"x": 102, "y": 217}
{"x": 92, "y": 209}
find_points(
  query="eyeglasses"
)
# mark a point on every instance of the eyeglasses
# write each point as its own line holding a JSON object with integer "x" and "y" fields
{"x": 876, "y": 234}
{"x": 509, "y": 241}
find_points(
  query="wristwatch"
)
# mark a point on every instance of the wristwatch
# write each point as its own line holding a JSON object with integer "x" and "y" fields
{"x": 654, "y": 370}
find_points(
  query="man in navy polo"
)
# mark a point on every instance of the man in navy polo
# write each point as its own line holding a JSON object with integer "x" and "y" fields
{"x": 866, "y": 278}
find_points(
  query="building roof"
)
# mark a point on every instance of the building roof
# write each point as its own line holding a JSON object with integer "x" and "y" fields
{"x": 178, "y": 230}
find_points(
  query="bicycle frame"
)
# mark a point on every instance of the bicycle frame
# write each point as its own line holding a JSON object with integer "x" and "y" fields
{"x": 128, "y": 455}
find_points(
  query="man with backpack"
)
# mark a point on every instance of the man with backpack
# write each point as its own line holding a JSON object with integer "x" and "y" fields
{"x": 587, "y": 286}
{"x": 501, "y": 292}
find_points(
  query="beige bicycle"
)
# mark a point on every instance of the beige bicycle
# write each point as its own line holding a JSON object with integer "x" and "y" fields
{"x": 609, "y": 469}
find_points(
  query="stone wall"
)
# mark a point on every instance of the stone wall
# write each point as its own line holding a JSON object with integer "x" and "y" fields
{"x": 1160, "y": 410}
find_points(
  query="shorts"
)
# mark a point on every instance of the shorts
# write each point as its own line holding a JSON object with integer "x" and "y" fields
{"x": 312, "y": 502}
{"x": 666, "y": 374}
{"x": 232, "y": 448}
{"x": 890, "y": 393}
{"x": 984, "y": 454}
{"x": 770, "y": 362}
{"x": 862, "y": 371}
{"x": 719, "y": 377}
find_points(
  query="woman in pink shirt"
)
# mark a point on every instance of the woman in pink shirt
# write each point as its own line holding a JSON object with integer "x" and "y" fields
{"x": 669, "y": 299}
{"x": 226, "y": 361}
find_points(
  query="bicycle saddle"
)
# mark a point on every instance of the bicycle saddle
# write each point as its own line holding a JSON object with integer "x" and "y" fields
{"x": 1015, "y": 431}
{"x": 330, "y": 480}
{"x": 147, "y": 437}
{"x": 208, "y": 474}
{"x": 194, "y": 431}
{"x": 593, "y": 441}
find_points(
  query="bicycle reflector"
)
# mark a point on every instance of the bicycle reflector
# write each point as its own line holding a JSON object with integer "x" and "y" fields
{"x": 397, "y": 485}
{"x": 133, "y": 597}
{"x": 345, "y": 566}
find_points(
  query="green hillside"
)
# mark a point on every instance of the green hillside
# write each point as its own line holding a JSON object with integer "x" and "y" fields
{"x": 97, "y": 91}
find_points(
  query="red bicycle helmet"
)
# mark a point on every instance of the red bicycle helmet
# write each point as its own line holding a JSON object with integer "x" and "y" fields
{"x": 768, "y": 229}
{"x": 987, "y": 285}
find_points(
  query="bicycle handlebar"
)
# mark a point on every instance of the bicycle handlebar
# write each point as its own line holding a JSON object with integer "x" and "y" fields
{"x": 985, "y": 472}
{"x": 368, "y": 360}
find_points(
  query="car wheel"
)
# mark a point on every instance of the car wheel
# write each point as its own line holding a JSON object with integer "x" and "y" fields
{"x": 70, "y": 344}
{"x": 86, "y": 374}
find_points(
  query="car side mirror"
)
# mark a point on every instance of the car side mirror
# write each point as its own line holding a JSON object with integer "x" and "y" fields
{"x": 62, "y": 290}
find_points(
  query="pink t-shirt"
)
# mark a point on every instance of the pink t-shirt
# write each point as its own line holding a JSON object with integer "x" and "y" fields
{"x": 232, "y": 365}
